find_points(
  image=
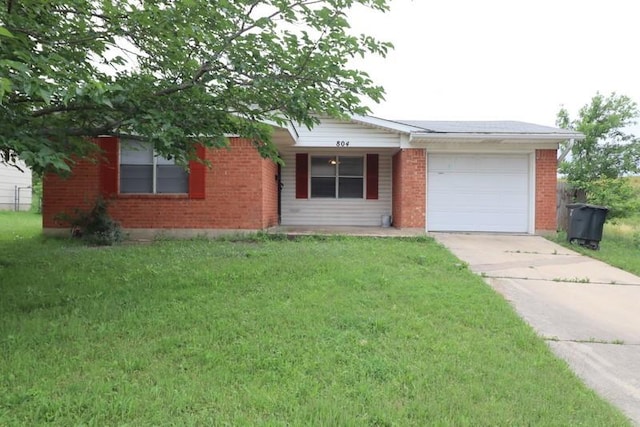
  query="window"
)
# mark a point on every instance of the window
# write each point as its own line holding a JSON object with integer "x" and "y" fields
{"x": 143, "y": 171}
{"x": 337, "y": 177}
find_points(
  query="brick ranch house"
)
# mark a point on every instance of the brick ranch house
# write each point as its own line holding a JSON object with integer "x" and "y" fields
{"x": 428, "y": 175}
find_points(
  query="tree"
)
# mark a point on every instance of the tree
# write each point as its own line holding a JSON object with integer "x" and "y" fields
{"x": 173, "y": 72}
{"x": 597, "y": 163}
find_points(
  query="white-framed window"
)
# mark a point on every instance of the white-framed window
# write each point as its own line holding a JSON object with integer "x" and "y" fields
{"x": 339, "y": 177}
{"x": 143, "y": 171}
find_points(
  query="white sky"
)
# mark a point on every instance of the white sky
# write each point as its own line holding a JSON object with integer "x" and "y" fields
{"x": 501, "y": 59}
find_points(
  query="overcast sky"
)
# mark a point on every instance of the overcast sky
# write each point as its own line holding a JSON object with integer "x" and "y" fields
{"x": 500, "y": 59}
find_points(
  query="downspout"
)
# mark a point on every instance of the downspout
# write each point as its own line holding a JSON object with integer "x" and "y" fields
{"x": 566, "y": 151}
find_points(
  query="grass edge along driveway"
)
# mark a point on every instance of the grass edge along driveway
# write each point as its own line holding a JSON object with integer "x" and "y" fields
{"x": 317, "y": 331}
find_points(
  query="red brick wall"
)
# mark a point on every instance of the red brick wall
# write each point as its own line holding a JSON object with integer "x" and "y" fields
{"x": 546, "y": 182}
{"x": 63, "y": 195}
{"x": 269, "y": 194}
{"x": 240, "y": 194}
{"x": 409, "y": 189}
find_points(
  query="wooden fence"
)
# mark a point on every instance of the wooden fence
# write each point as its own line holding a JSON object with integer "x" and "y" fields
{"x": 564, "y": 196}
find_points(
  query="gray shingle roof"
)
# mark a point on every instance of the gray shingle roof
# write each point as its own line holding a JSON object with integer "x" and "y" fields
{"x": 489, "y": 127}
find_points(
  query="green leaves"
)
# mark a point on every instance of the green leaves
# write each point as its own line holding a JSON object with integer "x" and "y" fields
{"x": 169, "y": 70}
{"x": 616, "y": 193}
{"x": 5, "y": 88}
{"x": 5, "y": 33}
{"x": 607, "y": 153}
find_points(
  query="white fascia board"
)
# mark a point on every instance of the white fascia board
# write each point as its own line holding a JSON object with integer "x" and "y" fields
{"x": 475, "y": 137}
{"x": 495, "y": 147}
{"x": 293, "y": 132}
{"x": 405, "y": 141}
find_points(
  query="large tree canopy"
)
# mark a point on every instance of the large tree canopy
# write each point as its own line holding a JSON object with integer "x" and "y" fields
{"x": 171, "y": 70}
{"x": 608, "y": 152}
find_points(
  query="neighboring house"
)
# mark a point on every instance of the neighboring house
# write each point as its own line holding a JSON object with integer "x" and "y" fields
{"x": 434, "y": 176}
{"x": 15, "y": 187}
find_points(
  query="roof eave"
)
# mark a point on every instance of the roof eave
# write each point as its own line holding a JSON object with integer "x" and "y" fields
{"x": 385, "y": 124}
{"x": 285, "y": 133}
{"x": 433, "y": 136}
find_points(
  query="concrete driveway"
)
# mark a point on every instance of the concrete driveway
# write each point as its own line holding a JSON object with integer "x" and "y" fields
{"x": 588, "y": 311}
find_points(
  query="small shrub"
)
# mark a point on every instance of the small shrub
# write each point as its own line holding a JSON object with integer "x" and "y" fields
{"x": 96, "y": 226}
{"x": 616, "y": 194}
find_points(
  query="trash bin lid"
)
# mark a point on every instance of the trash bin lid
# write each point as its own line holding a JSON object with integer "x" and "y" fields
{"x": 586, "y": 206}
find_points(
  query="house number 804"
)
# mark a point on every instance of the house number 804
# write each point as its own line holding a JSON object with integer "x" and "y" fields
{"x": 342, "y": 143}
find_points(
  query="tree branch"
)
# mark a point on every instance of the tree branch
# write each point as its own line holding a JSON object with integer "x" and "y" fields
{"x": 45, "y": 40}
{"x": 83, "y": 131}
{"x": 60, "y": 108}
{"x": 206, "y": 67}
{"x": 106, "y": 18}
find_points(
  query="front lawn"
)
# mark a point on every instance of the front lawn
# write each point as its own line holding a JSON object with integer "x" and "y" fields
{"x": 316, "y": 331}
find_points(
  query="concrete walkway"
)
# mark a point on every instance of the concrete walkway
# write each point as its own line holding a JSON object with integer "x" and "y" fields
{"x": 588, "y": 311}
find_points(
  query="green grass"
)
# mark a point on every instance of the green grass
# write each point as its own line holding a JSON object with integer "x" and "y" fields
{"x": 635, "y": 182}
{"x": 317, "y": 331}
{"x": 620, "y": 245}
{"x": 19, "y": 225}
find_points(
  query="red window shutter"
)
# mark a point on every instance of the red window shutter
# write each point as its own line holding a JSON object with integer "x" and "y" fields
{"x": 197, "y": 173}
{"x": 108, "y": 165}
{"x": 302, "y": 176}
{"x": 372, "y": 176}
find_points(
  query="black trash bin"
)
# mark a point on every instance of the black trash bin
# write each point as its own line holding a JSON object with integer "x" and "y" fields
{"x": 585, "y": 224}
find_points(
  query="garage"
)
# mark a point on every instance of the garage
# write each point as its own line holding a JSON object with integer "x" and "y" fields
{"x": 479, "y": 192}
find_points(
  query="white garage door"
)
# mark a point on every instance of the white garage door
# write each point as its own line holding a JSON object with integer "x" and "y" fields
{"x": 478, "y": 192}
